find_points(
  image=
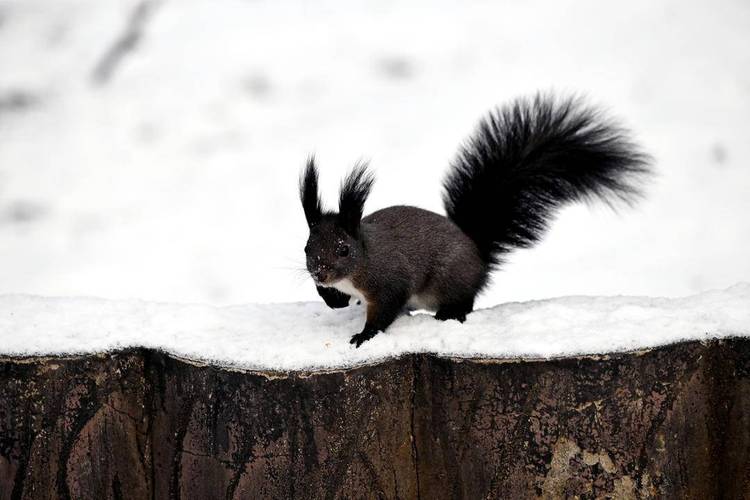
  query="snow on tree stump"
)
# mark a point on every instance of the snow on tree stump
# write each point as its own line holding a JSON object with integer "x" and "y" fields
{"x": 669, "y": 422}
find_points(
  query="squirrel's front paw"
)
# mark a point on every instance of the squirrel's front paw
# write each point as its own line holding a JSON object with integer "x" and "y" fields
{"x": 333, "y": 298}
{"x": 359, "y": 338}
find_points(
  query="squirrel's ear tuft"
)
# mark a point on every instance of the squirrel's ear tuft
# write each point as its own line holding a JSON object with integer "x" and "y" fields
{"x": 308, "y": 193}
{"x": 354, "y": 192}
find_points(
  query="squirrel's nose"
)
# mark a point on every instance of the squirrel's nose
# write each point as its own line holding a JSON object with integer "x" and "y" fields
{"x": 321, "y": 276}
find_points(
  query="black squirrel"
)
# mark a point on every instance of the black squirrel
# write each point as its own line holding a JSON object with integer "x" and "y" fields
{"x": 524, "y": 161}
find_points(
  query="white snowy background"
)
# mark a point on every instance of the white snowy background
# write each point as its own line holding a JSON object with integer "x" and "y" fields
{"x": 168, "y": 172}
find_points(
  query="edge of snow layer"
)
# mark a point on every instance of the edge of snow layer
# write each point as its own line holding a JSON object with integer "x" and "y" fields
{"x": 309, "y": 336}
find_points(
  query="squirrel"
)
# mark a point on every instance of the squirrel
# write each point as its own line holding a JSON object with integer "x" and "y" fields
{"x": 524, "y": 161}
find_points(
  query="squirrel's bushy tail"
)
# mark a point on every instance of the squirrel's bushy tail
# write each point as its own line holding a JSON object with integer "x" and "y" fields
{"x": 529, "y": 158}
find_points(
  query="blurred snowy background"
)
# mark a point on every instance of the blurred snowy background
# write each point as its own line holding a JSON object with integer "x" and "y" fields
{"x": 150, "y": 149}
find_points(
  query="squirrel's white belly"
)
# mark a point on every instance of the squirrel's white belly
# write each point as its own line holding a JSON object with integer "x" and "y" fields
{"x": 426, "y": 302}
{"x": 346, "y": 286}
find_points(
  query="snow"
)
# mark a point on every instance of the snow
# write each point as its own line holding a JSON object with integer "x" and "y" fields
{"x": 309, "y": 336}
{"x": 175, "y": 179}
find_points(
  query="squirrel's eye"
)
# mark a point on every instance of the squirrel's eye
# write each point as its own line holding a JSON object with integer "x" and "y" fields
{"x": 342, "y": 251}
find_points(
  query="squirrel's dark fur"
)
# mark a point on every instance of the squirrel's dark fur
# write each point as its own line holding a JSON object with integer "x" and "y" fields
{"x": 522, "y": 164}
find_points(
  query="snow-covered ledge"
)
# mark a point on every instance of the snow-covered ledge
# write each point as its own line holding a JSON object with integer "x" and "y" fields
{"x": 617, "y": 396}
{"x": 310, "y": 336}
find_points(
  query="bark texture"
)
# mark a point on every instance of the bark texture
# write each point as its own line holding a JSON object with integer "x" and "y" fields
{"x": 672, "y": 422}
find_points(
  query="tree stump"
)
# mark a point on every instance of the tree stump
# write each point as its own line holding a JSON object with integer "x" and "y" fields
{"x": 670, "y": 422}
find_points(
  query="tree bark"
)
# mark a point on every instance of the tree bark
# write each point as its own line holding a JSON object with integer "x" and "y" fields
{"x": 672, "y": 422}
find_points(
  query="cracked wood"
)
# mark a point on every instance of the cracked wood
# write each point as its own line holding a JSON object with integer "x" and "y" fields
{"x": 669, "y": 422}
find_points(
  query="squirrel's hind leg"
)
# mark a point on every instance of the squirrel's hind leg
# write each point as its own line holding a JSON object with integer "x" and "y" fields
{"x": 457, "y": 310}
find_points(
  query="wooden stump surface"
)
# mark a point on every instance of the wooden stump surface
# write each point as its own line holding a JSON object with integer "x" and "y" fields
{"x": 671, "y": 422}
